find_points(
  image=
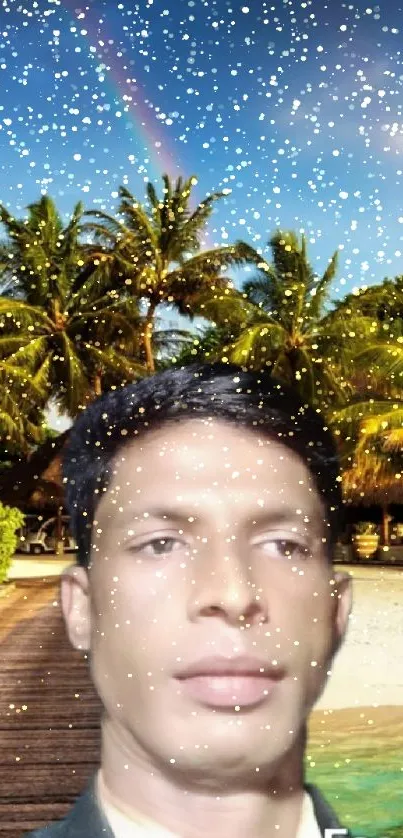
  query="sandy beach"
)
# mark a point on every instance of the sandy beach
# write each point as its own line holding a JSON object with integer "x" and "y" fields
{"x": 368, "y": 670}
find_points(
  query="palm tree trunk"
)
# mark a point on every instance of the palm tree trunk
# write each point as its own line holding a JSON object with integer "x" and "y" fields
{"x": 147, "y": 336}
{"x": 98, "y": 384}
{"x": 292, "y": 356}
{"x": 385, "y": 526}
{"x": 58, "y": 319}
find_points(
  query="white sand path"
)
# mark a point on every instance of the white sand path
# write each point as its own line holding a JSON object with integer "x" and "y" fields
{"x": 369, "y": 667}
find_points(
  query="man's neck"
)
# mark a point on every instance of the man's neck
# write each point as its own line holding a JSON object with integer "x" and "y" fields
{"x": 269, "y": 811}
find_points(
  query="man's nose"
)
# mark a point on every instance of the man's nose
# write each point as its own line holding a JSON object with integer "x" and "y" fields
{"x": 223, "y": 585}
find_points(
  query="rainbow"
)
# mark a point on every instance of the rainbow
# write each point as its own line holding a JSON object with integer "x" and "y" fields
{"x": 146, "y": 128}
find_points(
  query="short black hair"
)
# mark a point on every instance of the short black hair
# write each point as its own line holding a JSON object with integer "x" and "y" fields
{"x": 255, "y": 400}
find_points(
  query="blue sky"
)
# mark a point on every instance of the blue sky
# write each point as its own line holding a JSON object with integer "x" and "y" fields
{"x": 296, "y": 107}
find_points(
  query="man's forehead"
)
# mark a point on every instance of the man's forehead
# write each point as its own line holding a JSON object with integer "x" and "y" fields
{"x": 198, "y": 430}
{"x": 202, "y": 487}
{"x": 200, "y": 448}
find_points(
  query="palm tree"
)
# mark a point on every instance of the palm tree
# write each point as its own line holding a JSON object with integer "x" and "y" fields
{"x": 154, "y": 253}
{"x": 374, "y": 419}
{"x": 67, "y": 335}
{"x": 281, "y": 320}
{"x": 40, "y": 256}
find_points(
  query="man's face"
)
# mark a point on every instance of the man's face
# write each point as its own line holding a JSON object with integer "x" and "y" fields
{"x": 209, "y": 544}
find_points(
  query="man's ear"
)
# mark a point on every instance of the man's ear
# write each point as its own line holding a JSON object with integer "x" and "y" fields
{"x": 76, "y": 606}
{"x": 343, "y": 594}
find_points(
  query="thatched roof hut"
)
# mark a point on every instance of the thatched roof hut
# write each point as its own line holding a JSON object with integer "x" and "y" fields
{"x": 374, "y": 482}
{"x": 359, "y": 491}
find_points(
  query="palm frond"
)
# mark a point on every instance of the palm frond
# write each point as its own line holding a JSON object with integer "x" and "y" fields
{"x": 42, "y": 376}
{"x": 359, "y": 410}
{"x": 138, "y": 224}
{"x": 257, "y": 344}
{"x": 114, "y": 362}
{"x": 10, "y": 344}
{"x": 152, "y": 196}
{"x": 385, "y": 359}
{"x": 259, "y": 290}
{"x": 222, "y": 306}
{"x": 13, "y": 226}
{"x": 394, "y": 440}
{"x": 196, "y": 222}
{"x": 31, "y": 353}
{"x": 113, "y": 274}
{"x": 107, "y": 234}
{"x": 18, "y": 315}
{"x": 209, "y": 264}
{"x": 110, "y": 328}
{"x": 12, "y": 429}
{"x": 320, "y": 292}
{"x": 385, "y": 422}
{"x": 20, "y": 386}
{"x": 334, "y": 389}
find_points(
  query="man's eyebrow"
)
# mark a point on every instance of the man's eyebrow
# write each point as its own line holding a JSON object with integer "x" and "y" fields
{"x": 158, "y": 512}
{"x": 282, "y": 515}
{"x": 260, "y": 517}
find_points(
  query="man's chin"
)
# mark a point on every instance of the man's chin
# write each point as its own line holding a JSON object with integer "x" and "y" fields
{"x": 223, "y": 753}
{"x": 219, "y": 772}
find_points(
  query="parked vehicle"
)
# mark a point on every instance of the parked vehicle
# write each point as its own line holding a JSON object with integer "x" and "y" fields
{"x": 31, "y": 525}
{"x": 45, "y": 540}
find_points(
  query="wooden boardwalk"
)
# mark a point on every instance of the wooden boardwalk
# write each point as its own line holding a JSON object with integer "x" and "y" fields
{"x": 49, "y": 711}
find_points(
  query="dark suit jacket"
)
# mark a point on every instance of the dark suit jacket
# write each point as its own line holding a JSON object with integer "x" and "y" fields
{"x": 86, "y": 819}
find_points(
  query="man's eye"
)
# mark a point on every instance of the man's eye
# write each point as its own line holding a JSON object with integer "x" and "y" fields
{"x": 162, "y": 546}
{"x": 289, "y": 549}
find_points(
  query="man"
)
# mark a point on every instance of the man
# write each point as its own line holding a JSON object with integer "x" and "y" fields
{"x": 205, "y": 503}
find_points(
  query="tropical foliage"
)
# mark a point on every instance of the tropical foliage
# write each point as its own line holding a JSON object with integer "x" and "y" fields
{"x": 371, "y": 425}
{"x": 51, "y": 325}
{"x": 282, "y": 319}
{"x": 21, "y": 417}
{"x": 83, "y": 308}
{"x": 154, "y": 252}
{"x": 11, "y": 519}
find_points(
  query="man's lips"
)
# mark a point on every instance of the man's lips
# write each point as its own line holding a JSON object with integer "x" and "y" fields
{"x": 228, "y": 682}
{"x": 222, "y": 666}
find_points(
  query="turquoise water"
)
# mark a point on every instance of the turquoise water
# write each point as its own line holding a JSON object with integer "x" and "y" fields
{"x": 366, "y": 794}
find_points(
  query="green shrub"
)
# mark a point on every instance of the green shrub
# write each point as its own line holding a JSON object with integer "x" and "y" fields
{"x": 11, "y": 519}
